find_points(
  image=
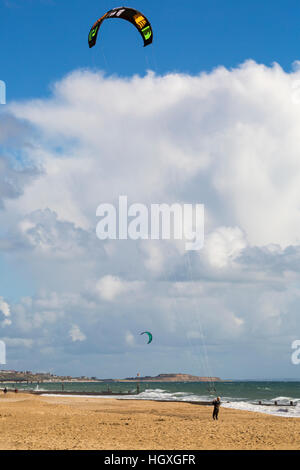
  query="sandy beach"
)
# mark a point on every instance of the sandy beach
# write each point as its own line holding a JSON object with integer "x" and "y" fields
{"x": 37, "y": 422}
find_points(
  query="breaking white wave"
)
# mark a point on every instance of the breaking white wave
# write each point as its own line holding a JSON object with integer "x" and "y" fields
{"x": 282, "y": 409}
{"x": 164, "y": 395}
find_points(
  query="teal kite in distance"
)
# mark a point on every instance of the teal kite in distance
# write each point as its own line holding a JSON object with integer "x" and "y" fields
{"x": 149, "y": 336}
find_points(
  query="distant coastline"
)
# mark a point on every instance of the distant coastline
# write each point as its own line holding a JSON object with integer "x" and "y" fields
{"x": 12, "y": 376}
{"x": 169, "y": 378}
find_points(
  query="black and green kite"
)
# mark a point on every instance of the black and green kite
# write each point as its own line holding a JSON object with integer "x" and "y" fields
{"x": 128, "y": 14}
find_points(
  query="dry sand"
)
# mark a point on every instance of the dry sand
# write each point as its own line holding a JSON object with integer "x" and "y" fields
{"x": 36, "y": 422}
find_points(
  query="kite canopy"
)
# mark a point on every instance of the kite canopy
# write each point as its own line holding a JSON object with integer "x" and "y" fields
{"x": 129, "y": 14}
{"x": 149, "y": 336}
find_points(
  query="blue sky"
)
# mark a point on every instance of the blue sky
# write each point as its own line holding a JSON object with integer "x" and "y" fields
{"x": 43, "y": 40}
{"x": 217, "y": 123}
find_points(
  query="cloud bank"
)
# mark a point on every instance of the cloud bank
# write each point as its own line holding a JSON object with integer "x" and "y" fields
{"x": 226, "y": 139}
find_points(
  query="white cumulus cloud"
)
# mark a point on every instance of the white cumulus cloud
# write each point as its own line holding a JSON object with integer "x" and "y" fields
{"x": 76, "y": 334}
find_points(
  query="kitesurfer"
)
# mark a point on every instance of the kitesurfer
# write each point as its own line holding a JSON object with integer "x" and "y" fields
{"x": 216, "y": 403}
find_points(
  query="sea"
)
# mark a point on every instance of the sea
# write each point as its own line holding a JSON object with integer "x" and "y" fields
{"x": 240, "y": 395}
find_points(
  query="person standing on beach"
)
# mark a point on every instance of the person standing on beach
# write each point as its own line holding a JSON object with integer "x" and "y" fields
{"x": 216, "y": 403}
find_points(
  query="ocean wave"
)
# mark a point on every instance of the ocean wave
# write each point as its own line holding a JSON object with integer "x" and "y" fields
{"x": 289, "y": 412}
{"x": 286, "y": 400}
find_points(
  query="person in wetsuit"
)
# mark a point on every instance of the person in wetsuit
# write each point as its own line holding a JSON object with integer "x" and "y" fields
{"x": 216, "y": 403}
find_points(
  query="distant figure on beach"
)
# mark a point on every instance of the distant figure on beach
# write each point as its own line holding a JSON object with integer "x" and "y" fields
{"x": 16, "y": 390}
{"x": 216, "y": 403}
{"x": 5, "y": 390}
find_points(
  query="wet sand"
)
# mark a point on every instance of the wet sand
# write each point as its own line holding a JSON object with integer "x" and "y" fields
{"x": 38, "y": 422}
